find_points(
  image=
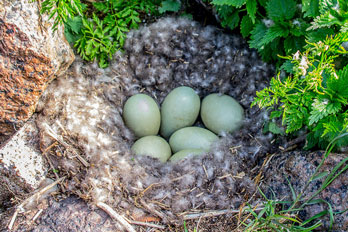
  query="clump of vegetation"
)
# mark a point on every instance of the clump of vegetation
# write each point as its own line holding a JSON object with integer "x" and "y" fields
{"x": 280, "y": 27}
{"x": 280, "y": 215}
{"x": 315, "y": 95}
{"x": 99, "y": 29}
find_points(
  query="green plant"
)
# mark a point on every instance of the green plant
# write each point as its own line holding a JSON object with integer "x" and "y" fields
{"x": 99, "y": 29}
{"x": 61, "y": 10}
{"x": 277, "y": 215}
{"x": 271, "y": 217}
{"x": 170, "y": 5}
{"x": 105, "y": 33}
{"x": 315, "y": 95}
{"x": 280, "y": 27}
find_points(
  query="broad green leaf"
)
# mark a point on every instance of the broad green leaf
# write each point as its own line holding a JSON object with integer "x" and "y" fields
{"x": 251, "y": 6}
{"x": 293, "y": 44}
{"x": 246, "y": 26}
{"x": 170, "y": 5}
{"x": 231, "y": 21}
{"x": 275, "y": 129}
{"x": 281, "y": 10}
{"x": 257, "y": 34}
{"x": 235, "y": 3}
{"x": 310, "y": 8}
{"x": 274, "y": 32}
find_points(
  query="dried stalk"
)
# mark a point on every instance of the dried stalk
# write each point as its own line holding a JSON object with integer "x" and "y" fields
{"x": 154, "y": 211}
{"x": 112, "y": 213}
{"x": 214, "y": 213}
{"x": 147, "y": 224}
{"x": 35, "y": 196}
{"x": 59, "y": 138}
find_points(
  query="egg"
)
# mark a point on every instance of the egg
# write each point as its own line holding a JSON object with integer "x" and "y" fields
{"x": 142, "y": 115}
{"x": 192, "y": 138}
{"x": 153, "y": 146}
{"x": 221, "y": 113}
{"x": 184, "y": 153}
{"x": 179, "y": 109}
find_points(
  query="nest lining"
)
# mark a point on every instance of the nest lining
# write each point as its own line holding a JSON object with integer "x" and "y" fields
{"x": 85, "y": 107}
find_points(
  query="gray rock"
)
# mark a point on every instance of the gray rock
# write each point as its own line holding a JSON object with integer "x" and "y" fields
{"x": 30, "y": 57}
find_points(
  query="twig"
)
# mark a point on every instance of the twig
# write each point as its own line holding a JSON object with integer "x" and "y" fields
{"x": 37, "y": 215}
{"x": 35, "y": 196}
{"x": 112, "y": 213}
{"x": 51, "y": 166}
{"x": 147, "y": 224}
{"x": 13, "y": 219}
{"x": 199, "y": 220}
{"x": 153, "y": 211}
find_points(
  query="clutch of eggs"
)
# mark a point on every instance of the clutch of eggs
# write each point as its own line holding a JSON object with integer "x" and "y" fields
{"x": 175, "y": 120}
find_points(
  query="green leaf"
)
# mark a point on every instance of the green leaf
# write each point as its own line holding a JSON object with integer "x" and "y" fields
{"x": 75, "y": 24}
{"x": 170, "y": 5}
{"x": 263, "y": 3}
{"x": 280, "y": 10}
{"x": 321, "y": 108}
{"x": 275, "y": 114}
{"x": 246, "y": 26}
{"x": 319, "y": 34}
{"x": 310, "y": 8}
{"x": 275, "y": 129}
{"x": 231, "y": 20}
{"x": 287, "y": 66}
{"x": 101, "y": 6}
{"x": 251, "y": 6}
{"x": 235, "y": 3}
{"x": 293, "y": 44}
{"x": 320, "y": 175}
{"x": 339, "y": 85}
{"x": 274, "y": 32}
{"x": 257, "y": 34}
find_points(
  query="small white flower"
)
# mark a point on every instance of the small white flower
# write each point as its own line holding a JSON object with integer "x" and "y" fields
{"x": 303, "y": 65}
{"x": 296, "y": 55}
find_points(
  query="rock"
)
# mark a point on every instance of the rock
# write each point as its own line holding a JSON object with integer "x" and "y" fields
{"x": 30, "y": 57}
{"x": 22, "y": 154}
{"x": 298, "y": 168}
{"x": 22, "y": 167}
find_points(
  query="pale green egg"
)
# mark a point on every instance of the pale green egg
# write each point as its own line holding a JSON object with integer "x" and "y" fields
{"x": 179, "y": 109}
{"x": 184, "y": 153}
{"x": 192, "y": 138}
{"x": 221, "y": 113}
{"x": 153, "y": 146}
{"x": 142, "y": 115}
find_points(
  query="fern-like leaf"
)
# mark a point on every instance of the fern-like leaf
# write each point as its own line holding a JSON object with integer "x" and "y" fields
{"x": 321, "y": 108}
{"x": 235, "y": 3}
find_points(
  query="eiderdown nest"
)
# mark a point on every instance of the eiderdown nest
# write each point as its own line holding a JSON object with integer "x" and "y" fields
{"x": 80, "y": 119}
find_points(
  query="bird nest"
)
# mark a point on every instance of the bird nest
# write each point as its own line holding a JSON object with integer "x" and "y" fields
{"x": 85, "y": 138}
